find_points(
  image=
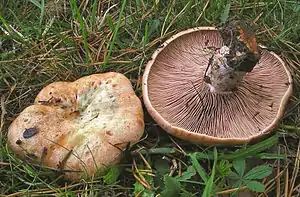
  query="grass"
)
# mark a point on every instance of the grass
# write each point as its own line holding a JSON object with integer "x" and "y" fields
{"x": 45, "y": 41}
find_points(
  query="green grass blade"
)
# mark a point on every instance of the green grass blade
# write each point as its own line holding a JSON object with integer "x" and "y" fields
{"x": 111, "y": 46}
{"x": 36, "y": 3}
{"x": 94, "y": 13}
{"x": 77, "y": 15}
{"x": 252, "y": 150}
{"x": 210, "y": 183}
{"x": 146, "y": 35}
{"x": 198, "y": 168}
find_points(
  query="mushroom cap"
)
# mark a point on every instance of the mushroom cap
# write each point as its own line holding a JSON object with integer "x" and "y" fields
{"x": 179, "y": 100}
{"x": 81, "y": 127}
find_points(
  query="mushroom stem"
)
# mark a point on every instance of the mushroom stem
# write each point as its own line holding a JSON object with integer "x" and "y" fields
{"x": 220, "y": 77}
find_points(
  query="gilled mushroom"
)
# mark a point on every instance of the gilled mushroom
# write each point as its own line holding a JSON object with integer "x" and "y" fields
{"x": 215, "y": 86}
{"x": 79, "y": 128}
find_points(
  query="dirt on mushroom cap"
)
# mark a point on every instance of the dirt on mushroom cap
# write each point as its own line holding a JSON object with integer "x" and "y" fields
{"x": 82, "y": 126}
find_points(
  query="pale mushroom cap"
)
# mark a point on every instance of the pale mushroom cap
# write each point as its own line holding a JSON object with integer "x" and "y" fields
{"x": 179, "y": 100}
{"x": 84, "y": 126}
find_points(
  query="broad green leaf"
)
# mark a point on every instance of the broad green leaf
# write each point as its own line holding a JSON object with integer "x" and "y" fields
{"x": 162, "y": 166}
{"x": 225, "y": 14}
{"x": 259, "y": 172}
{"x": 239, "y": 166}
{"x": 198, "y": 168}
{"x": 209, "y": 184}
{"x": 140, "y": 189}
{"x": 172, "y": 187}
{"x": 186, "y": 175}
{"x": 154, "y": 26}
{"x": 112, "y": 175}
{"x": 234, "y": 176}
{"x": 139, "y": 4}
{"x": 255, "y": 186}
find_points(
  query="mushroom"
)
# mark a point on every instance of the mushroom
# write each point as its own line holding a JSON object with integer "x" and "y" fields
{"x": 201, "y": 88}
{"x": 79, "y": 128}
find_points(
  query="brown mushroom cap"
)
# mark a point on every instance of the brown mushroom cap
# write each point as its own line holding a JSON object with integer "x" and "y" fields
{"x": 179, "y": 100}
{"x": 79, "y": 126}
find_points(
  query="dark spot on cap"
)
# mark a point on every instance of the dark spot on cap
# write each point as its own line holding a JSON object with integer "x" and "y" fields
{"x": 108, "y": 133}
{"x": 19, "y": 142}
{"x": 25, "y": 120}
{"x": 114, "y": 85}
{"x": 28, "y": 133}
{"x": 50, "y": 93}
{"x": 57, "y": 100}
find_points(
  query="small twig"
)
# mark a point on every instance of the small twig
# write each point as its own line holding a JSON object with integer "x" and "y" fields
{"x": 229, "y": 191}
{"x": 173, "y": 167}
{"x": 286, "y": 183}
{"x": 108, "y": 62}
{"x": 139, "y": 177}
{"x": 145, "y": 161}
{"x": 45, "y": 191}
{"x": 4, "y": 164}
{"x": 295, "y": 171}
{"x": 207, "y": 2}
{"x": 178, "y": 146}
{"x": 3, "y": 112}
{"x": 278, "y": 179}
{"x": 290, "y": 127}
{"x": 62, "y": 163}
